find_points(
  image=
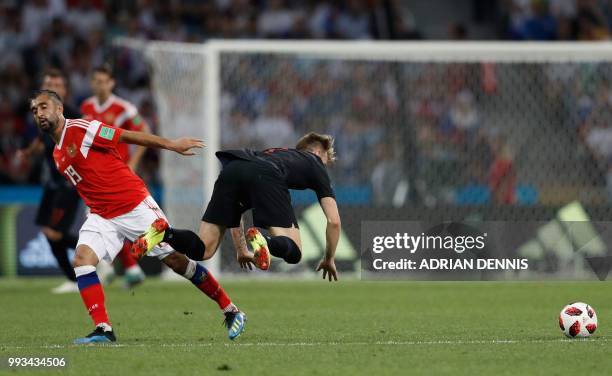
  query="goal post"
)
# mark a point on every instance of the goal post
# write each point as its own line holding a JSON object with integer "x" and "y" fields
{"x": 180, "y": 86}
{"x": 423, "y": 129}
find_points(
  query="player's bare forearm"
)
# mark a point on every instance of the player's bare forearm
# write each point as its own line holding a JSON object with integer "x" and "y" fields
{"x": 332, "y": 231}
{"x": 146, "y": 140}
{"x": 332, "y": 236}
{"x": 184, "y": 145}
{"x": 243, "y": 256}
{"x": 239, "y": 239}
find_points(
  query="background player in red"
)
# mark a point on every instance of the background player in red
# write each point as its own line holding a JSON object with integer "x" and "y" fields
{"x": 106, "y": 107}
{"x": 121, "y": 207}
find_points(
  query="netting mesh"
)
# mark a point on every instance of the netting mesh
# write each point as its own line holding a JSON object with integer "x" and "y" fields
{"x": 179, "y": 92}
{"x": 433, "y": 134}
{"x": 426, "y": 141}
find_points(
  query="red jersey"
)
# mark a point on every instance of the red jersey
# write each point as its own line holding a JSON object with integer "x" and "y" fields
{"x": 87, "y": 156}
{"x": 116, "y": 112}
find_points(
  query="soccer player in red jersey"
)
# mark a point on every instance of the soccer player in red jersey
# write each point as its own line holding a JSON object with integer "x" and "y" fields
{"x": 108, "y": 108}
{"x": 86, "y": 154}
{"x": 60, "y": 201}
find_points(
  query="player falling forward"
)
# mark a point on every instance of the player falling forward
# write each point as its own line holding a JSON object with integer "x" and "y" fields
{"x": 108, "y": 108}
{"x": 260, "y": 180}
{"x": 121, "y": 207}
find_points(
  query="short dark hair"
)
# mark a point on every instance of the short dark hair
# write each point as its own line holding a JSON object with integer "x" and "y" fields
{"x": 53, "y": 95}
{"x": 104, "y": 68}
{"x": 56, "y": 73}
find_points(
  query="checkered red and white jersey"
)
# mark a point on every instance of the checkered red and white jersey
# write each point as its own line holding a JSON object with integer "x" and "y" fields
{"x": 116, "y": 112}
{"x": 87, "y": 156}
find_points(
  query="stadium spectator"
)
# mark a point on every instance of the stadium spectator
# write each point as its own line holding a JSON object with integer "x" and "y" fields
{"x": 597, "y": 135}
{"x": 12, "y": 38}
{"x": 273, "y": 128}
{"x": 591, "y": 23}
{"x": 12, "y": 168}
{"x": 36, "y": 15}
{"x": 277, "y": 20}
{"x": 502, "y": 174}
{"x": 361, "y": 104}
{"x": 85, "y": 18}
{"x": 462, "y": 120}
{"x": 540, "y": 24}
{"x": 388, "y": 177}
{"x": 457, "y": 31}
{"x": 353, "y": 22}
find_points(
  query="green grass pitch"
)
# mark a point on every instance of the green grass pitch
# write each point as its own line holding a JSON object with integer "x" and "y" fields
{"x": 314, "y": 328}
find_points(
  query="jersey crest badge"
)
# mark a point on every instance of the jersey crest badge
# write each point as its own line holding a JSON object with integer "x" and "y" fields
{"x": 71, "y": 150}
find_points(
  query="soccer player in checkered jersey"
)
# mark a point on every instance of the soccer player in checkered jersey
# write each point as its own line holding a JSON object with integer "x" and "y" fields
{"x": 108, "y": 108}
{"x": 86, "y": 154}
{"x": 260, "y": 180}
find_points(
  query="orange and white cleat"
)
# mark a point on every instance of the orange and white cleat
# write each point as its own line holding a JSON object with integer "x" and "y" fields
{"x": 152, "y": 237}
{"x": 260, "y": 248}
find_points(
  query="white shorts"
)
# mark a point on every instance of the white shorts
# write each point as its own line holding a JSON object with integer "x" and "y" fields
{"x": 106, "y": 236}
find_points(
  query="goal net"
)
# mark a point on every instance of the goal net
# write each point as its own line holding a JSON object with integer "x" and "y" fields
{"x": 428, "y": 131}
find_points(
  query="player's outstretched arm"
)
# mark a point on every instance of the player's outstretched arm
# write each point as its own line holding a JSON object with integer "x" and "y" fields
{"x": 243, "y": 256}
{"x": 332, "y": 235}
{"x": 183, "y": 145}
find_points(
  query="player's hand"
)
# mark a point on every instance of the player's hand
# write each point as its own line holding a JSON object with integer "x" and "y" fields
{"x": 329, "y": 269}
{"x": 245, "y": 259}
{"x": 22, "y": 154}
{"x": 185, "y": 145}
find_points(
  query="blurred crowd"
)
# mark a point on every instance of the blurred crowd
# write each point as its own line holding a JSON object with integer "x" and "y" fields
{"x": 549, "y": 20}
{"x": 358, "y": 102}
{"x": 76, "y": 35}
{"x": 581, "y": 97}
{"x": 365, "y": 105}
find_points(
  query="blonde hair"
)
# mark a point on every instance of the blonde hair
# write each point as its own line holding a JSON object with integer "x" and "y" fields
{"x": 325, "y": 140}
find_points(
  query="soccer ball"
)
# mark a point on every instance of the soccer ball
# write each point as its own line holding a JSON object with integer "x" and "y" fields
{"x": 578, "y": 320}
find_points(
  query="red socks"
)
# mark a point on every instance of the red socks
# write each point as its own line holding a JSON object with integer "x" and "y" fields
{"x": 92, "y": 293}
{"x": 204, "y": 281}
{"x": 126, "y": 257}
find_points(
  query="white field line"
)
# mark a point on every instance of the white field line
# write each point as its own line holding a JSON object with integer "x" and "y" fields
{"x": 312, "y": 344}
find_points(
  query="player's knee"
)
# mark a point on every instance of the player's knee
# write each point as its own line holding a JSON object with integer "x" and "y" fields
{"x": 294, "y": 257}
{"x": 177, "y": 262}
{"x": 197, "y": 249}
{"x": 78, "y": 260}
{"x": 295, "y": 254}
{"x": 209, "y": 252}
{"x": 84, "y": 256}
{"x": 186, "y": 242}
{"x": 210, "y": 248}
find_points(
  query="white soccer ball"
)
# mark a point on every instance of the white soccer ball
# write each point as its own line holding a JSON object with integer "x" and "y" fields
{"x": 578, "y": 320}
